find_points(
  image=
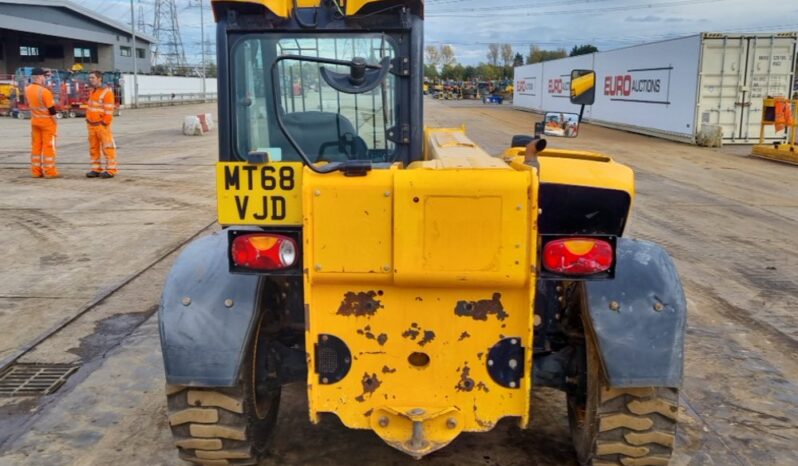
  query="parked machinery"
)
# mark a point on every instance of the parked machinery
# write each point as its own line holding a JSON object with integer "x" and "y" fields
{"x": 782, "y": 114}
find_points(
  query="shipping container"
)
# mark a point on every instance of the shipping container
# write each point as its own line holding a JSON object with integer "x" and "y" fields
{"x": 165, "y": 88}
{"x": 672, "y": 88}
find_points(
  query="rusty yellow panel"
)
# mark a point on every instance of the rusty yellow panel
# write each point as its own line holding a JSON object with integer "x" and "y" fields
{"x": 259, "y": 194}
{"x": 349, "y": 227}
{"x": 420, "y": 361}
{"x": 462, "y": 228}
{"x": 454, "y": 328}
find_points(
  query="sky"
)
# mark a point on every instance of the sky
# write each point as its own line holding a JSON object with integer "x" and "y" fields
{"x": 470, "y": 25}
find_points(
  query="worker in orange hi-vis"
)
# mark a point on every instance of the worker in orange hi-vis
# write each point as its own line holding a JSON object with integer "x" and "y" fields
{"x": 99, "y": 115}
{"x": 43, "y": 125}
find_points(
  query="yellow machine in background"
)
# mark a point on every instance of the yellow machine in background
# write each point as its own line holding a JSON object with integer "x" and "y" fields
{"x": 782, "y": 114}
{"x": 8, "y": 92}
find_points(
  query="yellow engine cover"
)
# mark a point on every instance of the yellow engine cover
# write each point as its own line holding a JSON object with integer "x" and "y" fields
{"x": 420, "y": 272}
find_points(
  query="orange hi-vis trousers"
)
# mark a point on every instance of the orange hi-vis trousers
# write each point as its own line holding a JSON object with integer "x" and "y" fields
{"x": 101, "y": 141}
{"x": 42, "y": 155}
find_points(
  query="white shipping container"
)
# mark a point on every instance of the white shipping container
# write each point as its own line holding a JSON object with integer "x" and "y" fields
{"x": 671, "y": 88}
{"x": 164, "y": 85}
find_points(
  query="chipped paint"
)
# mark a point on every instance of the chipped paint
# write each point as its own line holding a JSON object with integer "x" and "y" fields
{"x": 429, "y": 335}
{"x": 382, "y": 338}
{"x": 463, "y": 336}
{"x": 387, "y": 370}
{"x": 370, "y": 384}
{"x": 483, "y": 387}
{"x": 466, "y": 383}
{"x": 480, "y": 310}
{"x": 362, "y": 304}
{"x": 413, "y": 332}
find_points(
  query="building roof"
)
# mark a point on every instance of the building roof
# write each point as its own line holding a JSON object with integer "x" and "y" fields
{"x": 123, "y": 28}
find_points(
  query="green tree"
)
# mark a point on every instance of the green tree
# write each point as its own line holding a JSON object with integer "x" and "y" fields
{"x": 583, "y": 50}
{"x": 518, "y": 60}
{"x": 431, "y": 72}
{"x": 538, "y": 55}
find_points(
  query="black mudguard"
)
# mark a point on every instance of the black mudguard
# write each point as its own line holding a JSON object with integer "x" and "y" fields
{"x": 207, "y": 316}
{"x": 639, "y": 318}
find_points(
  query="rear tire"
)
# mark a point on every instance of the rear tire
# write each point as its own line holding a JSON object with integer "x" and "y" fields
{"x": 621, "y": 426}
{"x": 214, "y": 426}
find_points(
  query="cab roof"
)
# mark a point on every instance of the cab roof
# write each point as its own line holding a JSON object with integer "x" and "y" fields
{"x": 283, "y": 8}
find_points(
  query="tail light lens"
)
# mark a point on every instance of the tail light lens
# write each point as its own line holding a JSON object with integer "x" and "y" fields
{"x": 578, "y": 256}
{"x": 264, "y": 252}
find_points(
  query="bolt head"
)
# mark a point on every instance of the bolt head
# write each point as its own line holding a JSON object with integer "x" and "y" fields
{"x": 318, "y": 267}
{"x": 490, "y": 362}
{"x": 615, "y": 305}
{"x": 228, "y": 303}
{"x": 416, "y": 412}
{"x": 512, "y": 384}
{"x": 512, "y": 363}
{"x": 186, "y": 301}
{"x": 317, "y": 193}
{"x": 658, "y": 307}
{"x": 384, "y": 421}
{"x": 325, "y": 380}
{"x": 451, "y": 423}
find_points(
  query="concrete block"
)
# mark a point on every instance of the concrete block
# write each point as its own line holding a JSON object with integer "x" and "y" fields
{"x": 710, "y": 136}
{"x": 209, "y": 121}
{"x": 192, "y": 126}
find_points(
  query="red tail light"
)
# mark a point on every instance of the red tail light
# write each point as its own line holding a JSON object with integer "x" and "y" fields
{"x": 578, "y": 256}
{"x": 264, "y": 252}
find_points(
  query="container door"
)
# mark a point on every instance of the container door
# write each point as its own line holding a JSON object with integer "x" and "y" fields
{"x": 720, "y": 99}
{"x": 737, "y": 73}
{"x": 769, "y": 73}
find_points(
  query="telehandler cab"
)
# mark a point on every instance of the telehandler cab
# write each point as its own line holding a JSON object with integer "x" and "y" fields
{"x": 418, "y": 286}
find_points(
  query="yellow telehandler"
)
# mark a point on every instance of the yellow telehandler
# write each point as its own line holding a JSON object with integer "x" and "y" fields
{"x": 416, "y": 285}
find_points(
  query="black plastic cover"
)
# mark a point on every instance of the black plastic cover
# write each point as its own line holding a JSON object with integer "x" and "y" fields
{"x": 207, "y": 316}
{"x": 639, "y": 318}
{"x": 582, "y": 210}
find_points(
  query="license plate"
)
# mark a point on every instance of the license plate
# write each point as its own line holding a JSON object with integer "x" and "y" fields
{"x": 259, "y": 194}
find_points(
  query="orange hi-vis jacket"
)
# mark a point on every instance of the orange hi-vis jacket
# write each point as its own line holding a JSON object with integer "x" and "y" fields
{"x": 101, "y": 107}
{"x": 43, "y": 131}
{"x": 39, "y": 99}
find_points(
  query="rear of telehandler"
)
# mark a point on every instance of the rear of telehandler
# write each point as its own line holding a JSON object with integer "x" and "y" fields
{"x": 417, "y": 285}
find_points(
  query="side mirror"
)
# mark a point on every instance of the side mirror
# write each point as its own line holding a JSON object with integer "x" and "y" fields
{"x": 583, "y": 87}
{"x": 561, "y": 125}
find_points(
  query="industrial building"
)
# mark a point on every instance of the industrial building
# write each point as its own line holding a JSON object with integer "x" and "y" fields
{"x": 59, "y": 34}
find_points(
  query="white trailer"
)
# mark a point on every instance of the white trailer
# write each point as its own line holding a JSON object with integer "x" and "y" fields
{"x": 674, "y": 87}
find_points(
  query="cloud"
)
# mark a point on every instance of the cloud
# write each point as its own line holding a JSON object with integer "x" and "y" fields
{"x": 644, "y": 19}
